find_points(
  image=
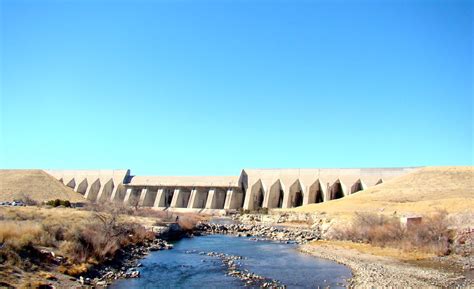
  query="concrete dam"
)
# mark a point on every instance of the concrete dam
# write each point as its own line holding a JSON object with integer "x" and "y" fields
{"x": 251, "y": 190}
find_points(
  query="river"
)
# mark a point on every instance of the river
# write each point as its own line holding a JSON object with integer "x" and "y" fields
{"x": 184, "y": 267}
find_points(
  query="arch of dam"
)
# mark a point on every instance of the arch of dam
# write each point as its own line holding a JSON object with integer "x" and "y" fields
{"x": 251, "y": 190}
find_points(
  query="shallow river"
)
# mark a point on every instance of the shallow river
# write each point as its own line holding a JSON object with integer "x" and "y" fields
{"x": 178, "y": 268}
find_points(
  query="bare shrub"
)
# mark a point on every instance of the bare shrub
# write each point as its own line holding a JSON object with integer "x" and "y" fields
{"x": 82, "y": 238}
{"x": 431, "y": 236}
{"x": 101, "y": 237}
{"x": 27, "y": 200}
{"x": 188, "y": 222}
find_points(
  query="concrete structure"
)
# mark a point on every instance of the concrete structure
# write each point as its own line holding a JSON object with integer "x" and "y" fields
{"x": 95, "y": 185}
{"x": 251, "y": 190}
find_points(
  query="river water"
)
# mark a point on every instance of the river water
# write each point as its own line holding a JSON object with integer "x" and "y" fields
{"x": 184, "y": 267}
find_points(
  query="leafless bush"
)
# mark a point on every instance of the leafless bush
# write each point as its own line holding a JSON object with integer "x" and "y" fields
{"x": 101, "y": 237}
{"x": 432, "y": 235}
{"x": 93, "y": 238}
{"x": 27, "y": 200}
{"x": 188, "y": 222}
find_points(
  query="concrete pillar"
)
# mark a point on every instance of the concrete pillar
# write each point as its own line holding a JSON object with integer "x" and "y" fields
{"x": 327, "y": 195}
{"x": 192, "y": 199}
{"x": 160, "y": 199}
{"x": 234, "y": 199}
{"x": 126, "y": 200}
{"x": 198, "y": 198}
{"x": 118, "y": 194}
{"x": 316, "y": 190}
{"x": 255, "y": 195}
{"x": 71, "y": 183}
{"x": 142, "y": 196}
{"x": 180, "y": 198}
{"x": 113, "y": 195}
{"x": 215, "y": 199}
{"x": 78, "y": 183}
{"x": 148, "y": 198}
{"x": 92, "y": 191}
{"x": 272, "y": 196}
{"x": 292, "y": 196}
{"x": 266, "y": 198}
{"x": 286, "y": 199}
{"x": 174, "y": 200}
{"x": 100, "y": 192}
{"x": 106, "y": 190}
{"x": 345, "y": 191}
{"x": 82, "y": 186}
{"x": 210, "y": 199}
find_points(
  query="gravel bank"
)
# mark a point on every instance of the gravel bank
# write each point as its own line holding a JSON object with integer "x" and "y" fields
{"x": 264, "y": 232}
{"x": 371, "y": 271}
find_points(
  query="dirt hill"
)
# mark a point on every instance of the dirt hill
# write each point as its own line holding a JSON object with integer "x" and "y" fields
{"x": 423, "y": 191}
{"x": 37, "y": 184}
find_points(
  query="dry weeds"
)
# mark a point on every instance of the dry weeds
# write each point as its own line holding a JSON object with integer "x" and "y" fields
{"x": 81, "y": 237}
{"x": 432, "y": 236}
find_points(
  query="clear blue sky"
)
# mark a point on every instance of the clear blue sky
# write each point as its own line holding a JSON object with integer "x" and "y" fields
{"x": 210, "y": 87}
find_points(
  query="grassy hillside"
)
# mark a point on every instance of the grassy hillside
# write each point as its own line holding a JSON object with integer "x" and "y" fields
{"x": 423, "y": 191}
{"x": 37, "y": 184}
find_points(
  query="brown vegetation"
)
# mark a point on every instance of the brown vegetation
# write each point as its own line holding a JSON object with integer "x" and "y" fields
{"x": 432, "y": 235}
{"x": 187, "y": 221}
{"x": 77, "y": 239}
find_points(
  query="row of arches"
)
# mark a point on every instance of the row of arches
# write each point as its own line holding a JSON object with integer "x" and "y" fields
{"x": 277, "y": 196}
{"x": 258, "y": 195}
{"x": 184, "y": 197}
{"x": 92, "y": 189}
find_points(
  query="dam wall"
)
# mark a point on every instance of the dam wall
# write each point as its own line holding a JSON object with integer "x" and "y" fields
{"x": 251, "y": 190}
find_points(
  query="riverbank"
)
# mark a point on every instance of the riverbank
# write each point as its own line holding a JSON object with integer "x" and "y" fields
{"x": 45, "y": 247}
{"x": 125, "y": 265}
{"x": 372, "y": 267}
{"x": 371, "y": 271}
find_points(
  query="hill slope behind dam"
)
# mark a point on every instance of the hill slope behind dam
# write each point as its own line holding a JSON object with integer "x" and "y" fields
{"x": 425, "y": 190}
{"x": 36, "y": 184}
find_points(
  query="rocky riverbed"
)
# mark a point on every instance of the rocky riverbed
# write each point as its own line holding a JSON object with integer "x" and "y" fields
{"x": 369, "y": 270}
{"x": 125, "y": 265}
{"x": 234, "y": 269}
{"x": 264, "y": 232}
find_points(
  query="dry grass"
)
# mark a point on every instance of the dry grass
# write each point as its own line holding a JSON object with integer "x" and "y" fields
{"x": 82, "y": 237}
{"x": 431, "y": 236}
{"x": 148, "y": 216}
{"x": 396, "y": 253}
{"x": 19, "y": 234}
{"x": 423, "y": 191}
{"x": 36, "y": 184}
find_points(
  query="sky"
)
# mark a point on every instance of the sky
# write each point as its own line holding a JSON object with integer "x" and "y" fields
{"x": 212, "y": 87}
